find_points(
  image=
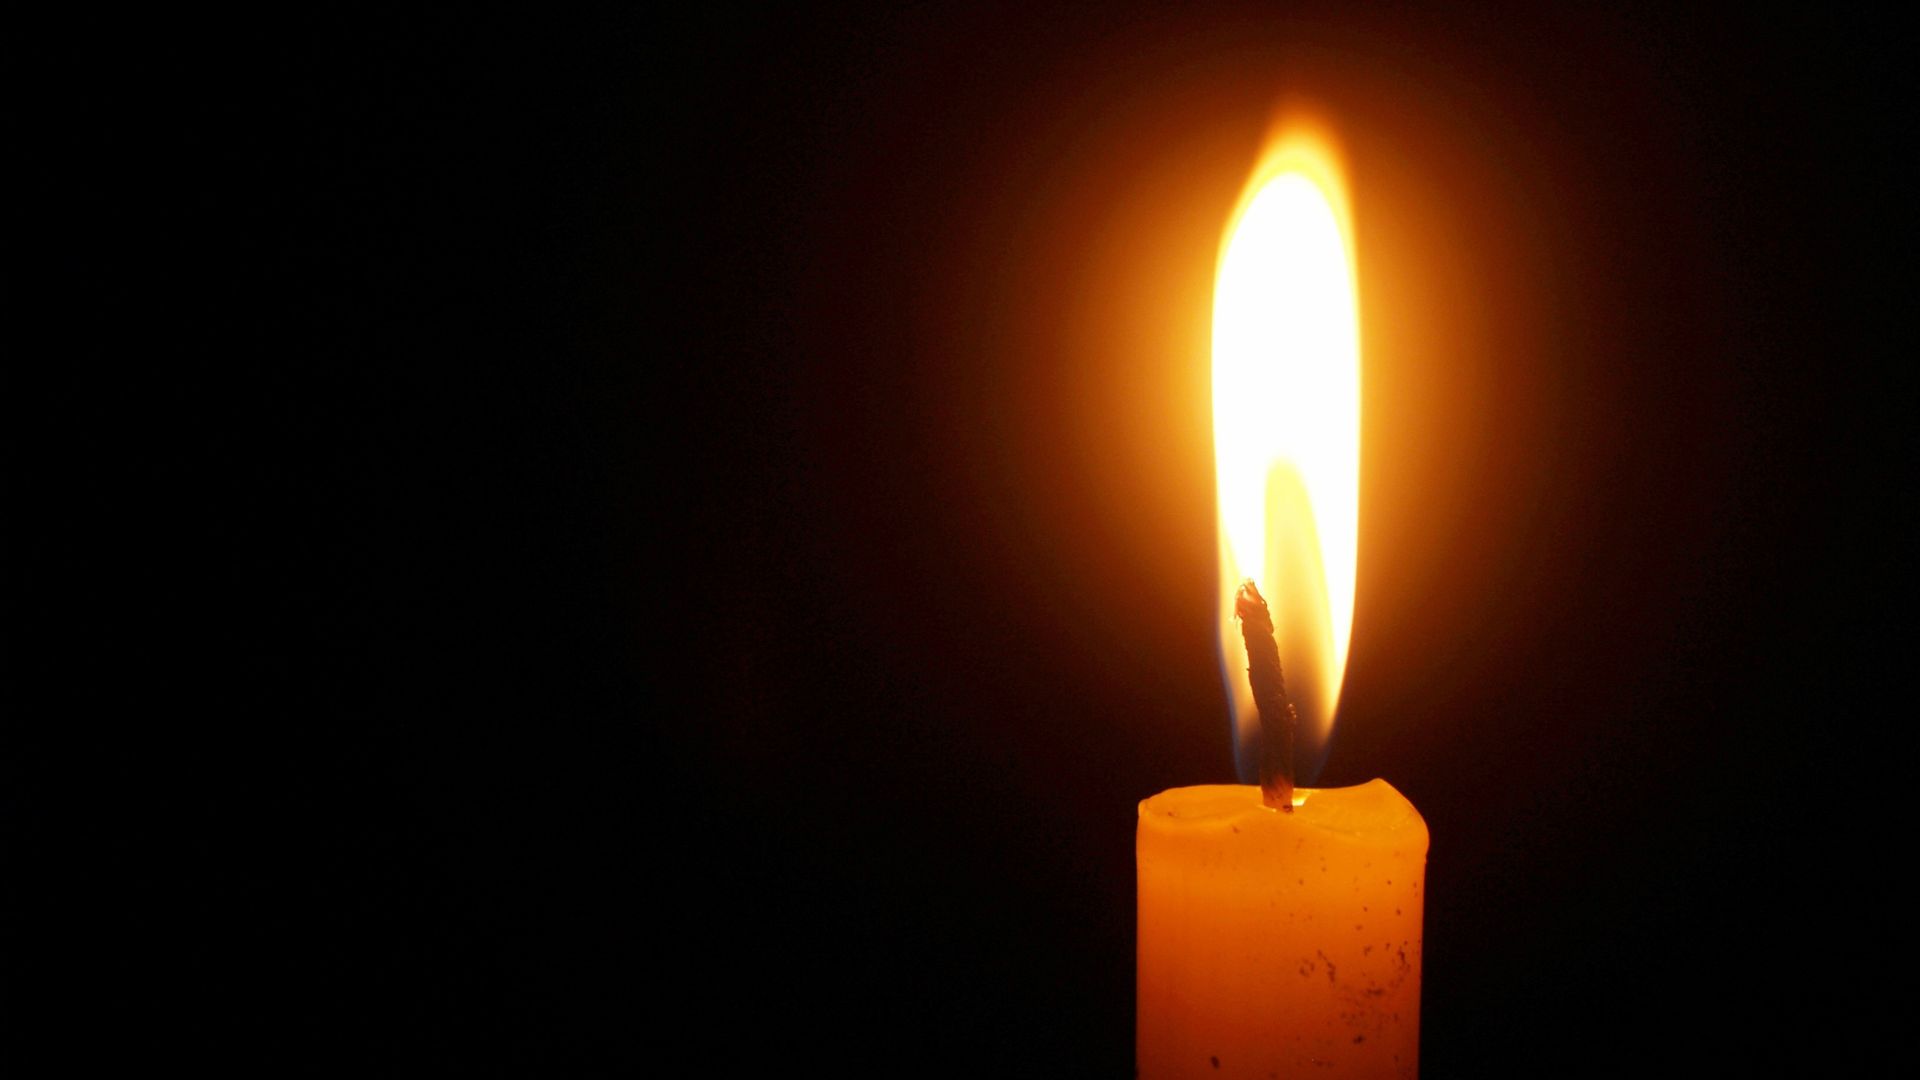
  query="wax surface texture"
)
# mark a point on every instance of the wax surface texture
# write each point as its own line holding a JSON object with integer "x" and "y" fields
{"x": 1277, "y": 945}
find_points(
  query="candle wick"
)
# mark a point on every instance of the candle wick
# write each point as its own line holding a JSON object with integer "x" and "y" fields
{"x": 1277, "y": 719}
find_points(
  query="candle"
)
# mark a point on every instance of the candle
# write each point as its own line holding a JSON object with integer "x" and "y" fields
{"x": 1280, "y": 928}
{"x": 1279, "y": 944}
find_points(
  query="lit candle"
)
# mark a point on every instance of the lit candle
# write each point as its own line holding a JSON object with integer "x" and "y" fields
{"x": 1280, "y": 928}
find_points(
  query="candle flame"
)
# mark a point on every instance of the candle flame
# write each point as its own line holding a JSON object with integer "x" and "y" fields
{"x": 1286, "y": 430}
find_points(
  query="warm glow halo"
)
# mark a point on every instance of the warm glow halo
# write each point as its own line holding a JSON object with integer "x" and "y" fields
{"x": 1286, "y": 409}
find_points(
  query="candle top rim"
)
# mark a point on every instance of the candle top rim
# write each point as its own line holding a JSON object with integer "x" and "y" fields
{"x": 1365, "y": 813}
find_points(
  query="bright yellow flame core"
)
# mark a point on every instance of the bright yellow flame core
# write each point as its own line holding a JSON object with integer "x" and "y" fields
{"x": 1286, "y": 430}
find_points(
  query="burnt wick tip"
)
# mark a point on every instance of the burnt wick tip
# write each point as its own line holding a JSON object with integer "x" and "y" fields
{"x": 1248, "y": 603}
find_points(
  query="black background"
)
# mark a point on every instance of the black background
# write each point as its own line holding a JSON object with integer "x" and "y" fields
{"x": 573, "y": 544}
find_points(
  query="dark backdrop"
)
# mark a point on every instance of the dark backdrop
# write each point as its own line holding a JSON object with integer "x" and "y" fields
{"x": 575, "y": 543}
